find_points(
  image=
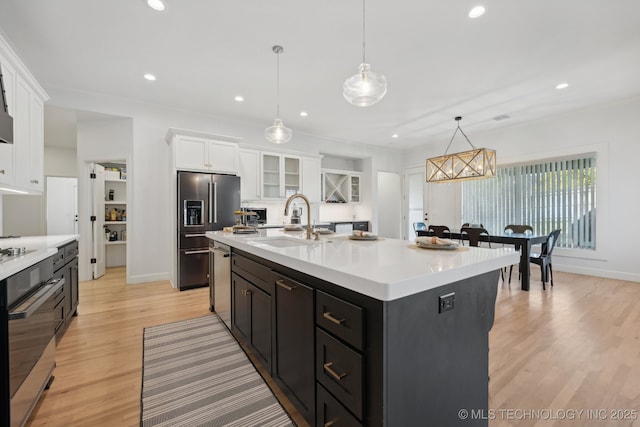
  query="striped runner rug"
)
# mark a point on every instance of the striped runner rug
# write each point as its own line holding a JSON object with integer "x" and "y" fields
{"x": 195, "y": 374}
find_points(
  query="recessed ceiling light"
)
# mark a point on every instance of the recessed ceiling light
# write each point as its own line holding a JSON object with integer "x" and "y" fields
{"x": 239, "y": 98}
{"x": 150, "y": 77}
{"x": 304, "y": 113}
{"x": 156, "y": 5}
{"x": 563, "y": 85}
{"x": 477, "y": 12}
{"x": 395, "y": 135}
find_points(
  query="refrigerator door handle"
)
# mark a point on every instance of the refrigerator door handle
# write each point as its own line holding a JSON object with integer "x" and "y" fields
{"x": 210, "y": 200}
{"x": 215, "y": 202}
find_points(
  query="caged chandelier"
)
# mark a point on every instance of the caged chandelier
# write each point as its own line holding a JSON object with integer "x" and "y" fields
{"x": 278, "y": 133}
{"x": 365, "y": 88}
{"x": 473, "y": 164}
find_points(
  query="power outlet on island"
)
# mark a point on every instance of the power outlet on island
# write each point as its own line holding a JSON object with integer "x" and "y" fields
{"x": 446, "y": 302}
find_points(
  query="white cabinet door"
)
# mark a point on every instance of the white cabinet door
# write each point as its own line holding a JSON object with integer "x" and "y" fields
{"x": 311, "y": 178}
{"x": 28, "y": 138}
{"x": 200, "y": 154}
{"x": 292, "y": 179}
{"x": 249, "y": 169}
{"x": 281, "y": 175}
{"x": 191, "y": 153}
{"x": 222, "y": 157}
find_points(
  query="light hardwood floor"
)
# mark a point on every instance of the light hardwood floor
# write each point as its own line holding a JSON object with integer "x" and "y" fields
{"x": 573, "y": 347}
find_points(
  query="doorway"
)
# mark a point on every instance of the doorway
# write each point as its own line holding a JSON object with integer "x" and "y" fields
{"x": 414, "y": 189}
{"x": 62, "y": 205}
{"x": 389, "y": 205}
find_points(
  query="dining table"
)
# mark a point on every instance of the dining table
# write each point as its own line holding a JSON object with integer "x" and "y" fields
{"x": 521, "y": 241}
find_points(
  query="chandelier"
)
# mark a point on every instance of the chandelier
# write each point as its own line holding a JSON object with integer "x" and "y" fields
{"x": 473, "y": 164}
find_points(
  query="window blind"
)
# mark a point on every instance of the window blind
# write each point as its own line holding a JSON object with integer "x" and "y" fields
{"x": 557, "y": 194}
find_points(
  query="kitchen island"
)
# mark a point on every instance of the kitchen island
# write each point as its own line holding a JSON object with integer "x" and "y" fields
{"x": 367, "y": 332}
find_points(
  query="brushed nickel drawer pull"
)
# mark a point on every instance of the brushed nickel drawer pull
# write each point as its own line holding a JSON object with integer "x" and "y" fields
{"x": 327, "y": 367}
{"x": 330, "y": 423}
{"x": 284, "y": 285}
{"x": 328, "y": 316}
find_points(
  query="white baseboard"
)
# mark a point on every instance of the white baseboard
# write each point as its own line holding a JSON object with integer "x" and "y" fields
{"x": 609, "y": 274}
{"x": 146, "y": 278}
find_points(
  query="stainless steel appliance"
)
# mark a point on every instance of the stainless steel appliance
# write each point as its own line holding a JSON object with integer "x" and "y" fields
{"x": 259, "y": 218}
{"x": 206, "y": 202}
{"x": 220, "y": 282}
{"x": 27, "y": 326}
{"x": 296, "y": 213}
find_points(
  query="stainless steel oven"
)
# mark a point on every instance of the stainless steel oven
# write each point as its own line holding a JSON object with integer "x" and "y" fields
{"x": 30, "y": 336}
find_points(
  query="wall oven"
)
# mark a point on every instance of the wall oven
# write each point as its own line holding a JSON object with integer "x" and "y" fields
{"x": 28, "y": 330}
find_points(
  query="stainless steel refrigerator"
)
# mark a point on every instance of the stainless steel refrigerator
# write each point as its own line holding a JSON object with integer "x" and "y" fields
{"x": 206, "y": 202}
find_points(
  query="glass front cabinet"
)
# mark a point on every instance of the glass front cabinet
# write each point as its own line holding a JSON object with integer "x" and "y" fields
{"x": 280, "y": 175}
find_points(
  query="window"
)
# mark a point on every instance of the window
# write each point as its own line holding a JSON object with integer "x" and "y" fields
{"x": 558, "y": 194}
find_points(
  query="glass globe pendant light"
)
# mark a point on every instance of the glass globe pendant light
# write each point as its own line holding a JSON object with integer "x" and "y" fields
{"x": 364, "y": 88}
{"x": 278, "y": 133}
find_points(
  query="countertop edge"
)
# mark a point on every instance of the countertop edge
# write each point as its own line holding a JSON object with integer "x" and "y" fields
{"x": 43, "y": 246}
{"x": 380, "y": 290}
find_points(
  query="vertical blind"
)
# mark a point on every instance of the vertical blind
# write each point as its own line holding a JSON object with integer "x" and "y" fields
{"x": 558, "y": 194}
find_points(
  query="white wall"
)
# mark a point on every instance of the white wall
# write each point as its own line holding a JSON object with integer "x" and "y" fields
{"x": 610, "y": 130}
{"x": 149, "y": 209}
{"x": 26, "y": 215}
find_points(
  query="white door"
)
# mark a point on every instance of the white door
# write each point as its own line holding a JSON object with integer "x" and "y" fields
{"x": 97, "y": 210}
{"x": 389, "y": 205}
{"x": 414, "y": 188}
{"x": 62, "y": 205}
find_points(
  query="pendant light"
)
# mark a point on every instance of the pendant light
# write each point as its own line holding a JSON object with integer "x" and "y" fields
{"x": 278, "y": 133}
{"x": 365, "y": 88}
{"x": 473, "y": 164}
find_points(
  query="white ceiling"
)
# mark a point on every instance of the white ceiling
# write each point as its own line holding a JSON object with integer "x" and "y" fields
{"x": 438, "y": 62}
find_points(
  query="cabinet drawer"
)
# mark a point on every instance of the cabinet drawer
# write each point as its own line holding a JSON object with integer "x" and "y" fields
{"x": 330, "y": 412}
{"x": 339, "y": 370}
{"x": 341, "y": 318}
{"x": 70, "y": 251}
{"x": 256, "y": 273}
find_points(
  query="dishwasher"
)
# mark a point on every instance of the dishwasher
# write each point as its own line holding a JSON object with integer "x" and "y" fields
{"x": 220, "y": 280}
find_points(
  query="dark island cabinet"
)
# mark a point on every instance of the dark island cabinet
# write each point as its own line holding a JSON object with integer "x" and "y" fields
{"x": 252, "y": 307}
{"x": 346, "y": 359}
{"x": 251, "y": 318}
{"x": 295, "y": 344}
{"x": 65, "y": 264}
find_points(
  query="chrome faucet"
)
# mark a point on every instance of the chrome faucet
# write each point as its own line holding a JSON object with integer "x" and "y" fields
{"x": 306, "y": 201}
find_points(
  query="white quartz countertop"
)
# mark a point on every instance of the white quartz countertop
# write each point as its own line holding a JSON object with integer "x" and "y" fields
{"x": 384, "y": 269}
{"x": 42, "y": 247}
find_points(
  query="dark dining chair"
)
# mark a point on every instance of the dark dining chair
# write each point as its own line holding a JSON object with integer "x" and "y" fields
{"x": 419, "y": 226}
{"x": 543, "y": 259}
{"x": 473, "y": 235}
{"x": 520, "y": 229}
{"x": 439, "y": 230}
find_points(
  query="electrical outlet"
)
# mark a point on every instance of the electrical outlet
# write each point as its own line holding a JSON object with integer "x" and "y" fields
{"x": 446, "y": 302}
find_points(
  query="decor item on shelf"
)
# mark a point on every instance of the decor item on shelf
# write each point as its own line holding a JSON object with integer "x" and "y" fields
{"x": 278, "y": 133}
{"x": 114, "y": 215}
{"x": 365, "y": 88}
{"x": 472, "y": 164}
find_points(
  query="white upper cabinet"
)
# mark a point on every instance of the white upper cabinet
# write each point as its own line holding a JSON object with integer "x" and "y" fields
{"x": 29, "y": 139}
{"x": 249, "y": 169}
{"x": 281, "y": 175}
{"x": 311, "y": 178}
{"x": 207, "y": 155}
{"x": 22, "y": 163}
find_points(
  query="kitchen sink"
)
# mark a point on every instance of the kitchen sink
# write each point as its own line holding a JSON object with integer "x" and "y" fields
{"x": 284, "y": 242}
